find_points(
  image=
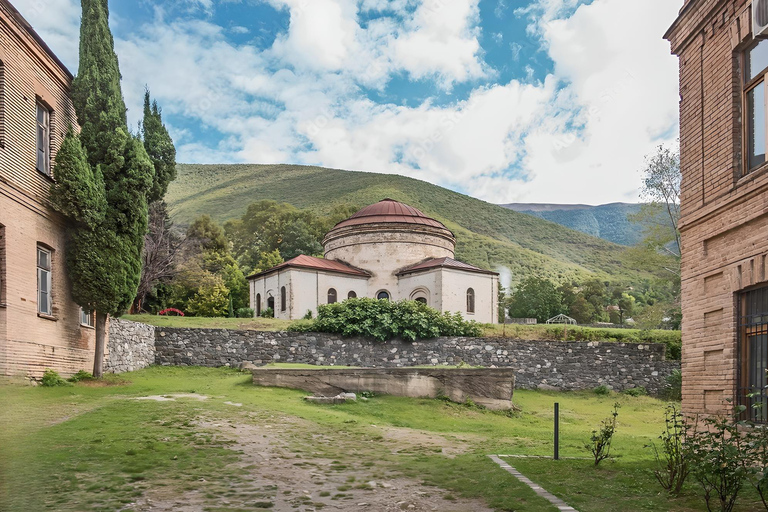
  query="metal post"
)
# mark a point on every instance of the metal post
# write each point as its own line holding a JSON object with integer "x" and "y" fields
{"x": 557, "y": 431}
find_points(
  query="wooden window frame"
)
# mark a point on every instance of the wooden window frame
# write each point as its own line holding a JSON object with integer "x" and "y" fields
{"x": 47, "y": 137}
{"x": 751, "y": 324}
{"x": 748, "y": 85}
{"x": 47, "y": 274}
{"x": 86, "y": 318}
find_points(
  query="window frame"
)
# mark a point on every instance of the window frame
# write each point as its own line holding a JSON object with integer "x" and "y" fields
{"x": 752, "y": 325}
{"x": 86, "y": 318}
{"x": 46, "y": 274}
{"x": 352, "y": 294}
{"x": 380, "y": 292}
{"x": 471, "y": 301}
{"x": 332, "y": 297}
{"x": 46, "y": 138}
{"x": 283, "y": 299}
{"x": 747, "y": 86}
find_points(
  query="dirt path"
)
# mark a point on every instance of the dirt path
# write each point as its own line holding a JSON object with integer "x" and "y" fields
{"x": 276, "y": 476}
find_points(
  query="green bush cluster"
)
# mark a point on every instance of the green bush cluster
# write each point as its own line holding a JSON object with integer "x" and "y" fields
{"x": 672, "y": 339}
{"x": 52, "y": 379}
{"x": 384, "y": 320}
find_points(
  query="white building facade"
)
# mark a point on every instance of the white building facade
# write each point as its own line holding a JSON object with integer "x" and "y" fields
{"x": 388, "y": 251}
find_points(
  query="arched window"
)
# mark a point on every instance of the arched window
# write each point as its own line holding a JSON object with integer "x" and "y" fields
{"x": 258, "y": 304}
{"x": 423, "y": 300}
{"x": 271, "y": 303}
{"x": 283, "y": 299}
{"x": 332, "y": 296}
{"x": 352, "y": 295}
{"x": 383, "y": 295}
{"x": 470, "y": 301}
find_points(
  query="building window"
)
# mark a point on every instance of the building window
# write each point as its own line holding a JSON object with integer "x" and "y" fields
{"x": 258, "y": 304}
{"x": 352, "y": 295}
{"x": 332, "y": 297}
{"x": 271, "y": 304}
{"x": 43, "y": 139}
{"x": 2, "y": 105}
{"x": 44, "y": 281}
{"x": 470, "y": 301}
{"x": 383, "y": 295}
{"x": 423, "y": 300}
{"x": 753, "y": 353}
{"x": 86, "y": 317}
{"x": 283, "y": 299}
{"x": 756, "y": 71}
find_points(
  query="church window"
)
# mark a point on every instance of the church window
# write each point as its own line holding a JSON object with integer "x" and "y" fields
{"x": 258, "y": 304}
{"x": 470, "y": 301}
{"x": 283, "y": 299}
{"x": 332, "y": 296}
{"x": 352, "y": 295}
{"x": 383, "y": 295}
{"x": 271, "y": 304}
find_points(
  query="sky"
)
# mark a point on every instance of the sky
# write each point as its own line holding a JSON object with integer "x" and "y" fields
{"x": 548, "y": 101}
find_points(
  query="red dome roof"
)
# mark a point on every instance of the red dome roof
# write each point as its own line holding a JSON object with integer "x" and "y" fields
{"x": 389, "y": 211}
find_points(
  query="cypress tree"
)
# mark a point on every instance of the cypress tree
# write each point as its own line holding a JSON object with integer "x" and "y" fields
{"x": 104, "y": 250}
{"x": 160, "y": 148}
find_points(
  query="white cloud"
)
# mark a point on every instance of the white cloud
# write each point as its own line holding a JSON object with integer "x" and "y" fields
{"x": 578, "y": 136}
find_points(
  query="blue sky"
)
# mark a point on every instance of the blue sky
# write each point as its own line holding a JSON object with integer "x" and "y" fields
{"x": 506, "y": 100}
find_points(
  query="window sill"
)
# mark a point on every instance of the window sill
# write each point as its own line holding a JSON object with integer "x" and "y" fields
{"x": 47, "y": 317}
{"x": 753, "y": 174}
{"x": 88, "y": 327}
{"x": 3, "y": 305}
{"x": 45, "y": 175}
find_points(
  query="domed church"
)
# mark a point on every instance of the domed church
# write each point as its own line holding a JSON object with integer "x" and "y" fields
{"x": 387, "y": 251}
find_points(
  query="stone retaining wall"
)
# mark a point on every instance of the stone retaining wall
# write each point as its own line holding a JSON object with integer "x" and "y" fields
{"x": 537, "y": 364}
{"x": 492, "y": 388}
{"x": 131, "y": 346}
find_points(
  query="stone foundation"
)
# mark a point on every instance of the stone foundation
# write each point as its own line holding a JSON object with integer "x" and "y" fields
{"x": 491, "y": 388}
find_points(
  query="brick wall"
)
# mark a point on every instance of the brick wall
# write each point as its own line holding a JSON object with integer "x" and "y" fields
{"x": 725, "y": 210}
{"x": 29, "y": 343}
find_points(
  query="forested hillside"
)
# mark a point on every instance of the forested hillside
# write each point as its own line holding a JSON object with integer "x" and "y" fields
{"x": 488, "y": 235}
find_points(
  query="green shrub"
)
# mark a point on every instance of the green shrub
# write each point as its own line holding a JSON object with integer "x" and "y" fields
{"x": 268, "y": 313}
{"x": 245, "y": 313}
{"x": 210, "y": 301}
{"x": 383, "y": 320}
{"x": 672, "y": 460}
{"x": 308, "y": 316}
{"x": 80, "y": 376}
{"x": 602, "y": 390}
{"x": 638, "y": 391}
{"x": 601, "y": 440}
{"x": 52, "y": 379}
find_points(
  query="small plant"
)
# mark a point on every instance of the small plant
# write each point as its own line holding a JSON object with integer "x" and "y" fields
{"x": 367, "y": 394}
{"x": 672, "y": 458}
{"x": 245, "y": 313}
{"x": 268, "y": 313}
{"x": 602, "y": 390}
{"x": 674, "y": 388}
{"x": 52, "y": 379}
{"x": 718, "y": 460}
{"x": 638, "y": 391}
{"x": 601, "y": 440}
{"x": 80, "y": 376}
{"x": 308, "y": 315}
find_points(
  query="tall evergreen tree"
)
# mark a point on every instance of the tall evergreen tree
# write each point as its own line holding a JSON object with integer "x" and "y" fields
{"x": 160, "y": 148}
{"x": 104, "y": 251}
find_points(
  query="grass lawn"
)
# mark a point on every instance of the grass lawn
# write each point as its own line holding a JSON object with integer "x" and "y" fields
{"x": 94, "y": 447}
{"x": 193, "y": 322}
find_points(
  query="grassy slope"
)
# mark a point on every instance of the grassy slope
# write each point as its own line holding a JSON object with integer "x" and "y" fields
{"x": 489, "y": 236}
{"x": 84, "y": 448}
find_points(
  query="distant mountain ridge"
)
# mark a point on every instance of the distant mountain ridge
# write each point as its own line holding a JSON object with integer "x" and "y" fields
{"x": 608, "y": 221}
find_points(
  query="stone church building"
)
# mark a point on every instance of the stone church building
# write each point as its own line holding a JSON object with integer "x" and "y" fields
{"x": 722, "y": 47}
{"x": 388, "y": 251}
{"x": 40, "y": 325}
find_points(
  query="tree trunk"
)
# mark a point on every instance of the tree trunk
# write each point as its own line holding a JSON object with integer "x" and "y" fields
{"x": 98, "y": 360}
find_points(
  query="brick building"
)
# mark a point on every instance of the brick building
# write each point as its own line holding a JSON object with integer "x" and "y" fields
{"x": 40, "y": 326}
{"x": 724, "y": 225}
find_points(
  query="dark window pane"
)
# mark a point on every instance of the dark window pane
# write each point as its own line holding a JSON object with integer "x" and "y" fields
{"x": 757, "y": 59}
{"x": 756, "y": 126}
{"x": 383, "y": 296}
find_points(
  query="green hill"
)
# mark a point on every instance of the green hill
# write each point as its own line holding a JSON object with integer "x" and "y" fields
{"x": 608, "y": 221}
{"x": 489, "y": 236}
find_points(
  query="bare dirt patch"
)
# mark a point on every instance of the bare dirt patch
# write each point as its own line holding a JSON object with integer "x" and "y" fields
{"x": 407, "y": 440}
{"x": 277, "y": 473}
